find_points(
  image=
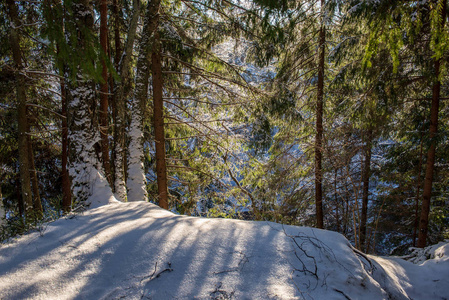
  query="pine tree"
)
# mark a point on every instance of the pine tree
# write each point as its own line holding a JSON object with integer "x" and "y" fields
{"x": 22, "y": 118}
{"x": 84, "y": 134}
{"x": 136, "y": 179}
{"x": 104, "y": 91}
{"x": 122, "y": 93}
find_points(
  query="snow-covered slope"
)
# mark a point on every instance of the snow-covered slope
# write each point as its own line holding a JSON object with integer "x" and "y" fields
{"x": 138, "y": 251}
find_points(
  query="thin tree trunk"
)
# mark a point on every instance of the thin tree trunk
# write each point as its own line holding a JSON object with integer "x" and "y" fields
{"x": 104, "y": 105}
{"x": 117, "y": 42}
{"x": 158, "y": 111}
{"x": 427, "y": 190}
{"x": 66, "y": 204}
{"x": 20, "y": 203}
{"x": 136, "y": 173}
{"x": 365, "y": 191}
{"x": 418, "y": 192}
{"x": 112, "y": 85}
{"x": 319, "y": 126}
{"x": 66, "y": 189}
{"x": 37, "y": 205}
{"x": 122, "y": 94}
{"x": 2, "y": 208}
{"x": 22, "y": 120}
{"x": 337, "y": 214}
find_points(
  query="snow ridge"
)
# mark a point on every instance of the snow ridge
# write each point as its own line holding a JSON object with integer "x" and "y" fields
{"x": 137, "y": 250}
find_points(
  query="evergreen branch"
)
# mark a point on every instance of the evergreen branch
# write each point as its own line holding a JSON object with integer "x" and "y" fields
{"x": 193, "y": 122}
{"x": 48, "y": 109}
{"x": 191, "y": 116}
{"x": 168, "y": 18}
{"x": 199, "y": 171}
{"x": 205, "y": 5}
{"x": 245, "y": 191}
{"x": 182, "y": 181}
{"x": 186, "y": 138}
{"x": 200, "y": 101}
{"x": 207, "y": 136}
{"x": 231, "y": 66}
{"x": 205, "y": 71}
{"x": 43, "y": 73}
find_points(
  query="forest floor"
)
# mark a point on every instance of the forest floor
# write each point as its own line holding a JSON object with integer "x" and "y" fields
{"x": 137, "y": 250}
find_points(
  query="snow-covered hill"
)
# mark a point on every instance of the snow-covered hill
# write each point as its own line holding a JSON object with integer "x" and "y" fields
{"x": 138, "y": 251}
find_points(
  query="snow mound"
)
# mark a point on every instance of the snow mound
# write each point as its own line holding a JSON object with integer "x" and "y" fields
{"x": 439, "y": 251}
{"x": 137, "y": 250}
{"x": 424, "y": 275}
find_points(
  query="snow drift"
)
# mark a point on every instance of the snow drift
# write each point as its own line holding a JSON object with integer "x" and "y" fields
{"x": 139, "y": 251}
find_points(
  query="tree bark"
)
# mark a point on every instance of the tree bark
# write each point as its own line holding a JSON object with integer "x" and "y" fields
{"x": 136, "y": 173}
{"x": 104, "y": 105}
{"x": 122, "y": 94}
{"x": 319, "y": 125}
{"x": 37, "y": 205}
{"x": 84, "y": 137}
{"x": 427, "y": 190}
{"x": 337, "y": 214}
{"x": 112, "y": 84}
{"x": 158, "y": 111}
{"x": 22, "y": 120}
{"x": 66, "y": 189}
{"x": 365, "y": 191}
{"x": 2, "y": 209}
{"x": 418, "y": 192}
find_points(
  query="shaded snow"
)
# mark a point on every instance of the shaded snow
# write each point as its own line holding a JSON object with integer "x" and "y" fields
{"x": 137, "y": 250}
{"x": 427, "y": 279}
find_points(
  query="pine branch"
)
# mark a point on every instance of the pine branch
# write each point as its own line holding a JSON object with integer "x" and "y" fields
{"x": 48, "y": 109}
{"x": 199, "y": 171}
{"x": 200, "y": 101}
{"x": 246, "y": 85}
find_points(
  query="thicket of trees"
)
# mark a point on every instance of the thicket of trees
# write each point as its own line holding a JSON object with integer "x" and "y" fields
{"x": 322, "y": 113}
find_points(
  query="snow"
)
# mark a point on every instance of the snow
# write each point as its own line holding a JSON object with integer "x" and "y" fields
{"x": 137, "y": 250}
{"x": 420, "y": 278}
{"x": 136, "y": 182}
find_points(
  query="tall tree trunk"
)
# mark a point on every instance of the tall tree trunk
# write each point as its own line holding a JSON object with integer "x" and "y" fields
{"x": 66, "y": 204}
{"x": 22, "y": 120}
{"x": 365, "y": 191}
{"x": 20, "y": 203}
{"x": 427, "y": 190}
{"x": 337, "y": 213}
{"x": 122, "y": 94}
{"x": 2, "y": 209}
{"x": 319, "y": 125}
{"x": 112, "y": 84}
{"x": 66, "y": 189}
{"x": 158, "y": 112}
{"x": 418, "y": 191}
{"x": 136, "y": 178}
{"x": 104, "y": 105}
{"x": 37, "y": 205}
{"x": 84, "y": 136}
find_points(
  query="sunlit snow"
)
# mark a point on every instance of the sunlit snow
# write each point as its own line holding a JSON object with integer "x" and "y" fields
{"x": 137, "y": 250}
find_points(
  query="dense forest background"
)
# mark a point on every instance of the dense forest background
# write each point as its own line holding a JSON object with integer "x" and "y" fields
{"x": 322, "y": 113}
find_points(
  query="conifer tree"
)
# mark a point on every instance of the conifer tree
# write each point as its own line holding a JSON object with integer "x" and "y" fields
{"x": 136, "y": 179}
{"x": 22, "y": 118}
{"x": 104, "y": 91}
{"x": 428, "y": 30}
{"x": 123, "y": 90}
{"x": 439, "y": 20}
{"x": 84, "y": 134}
